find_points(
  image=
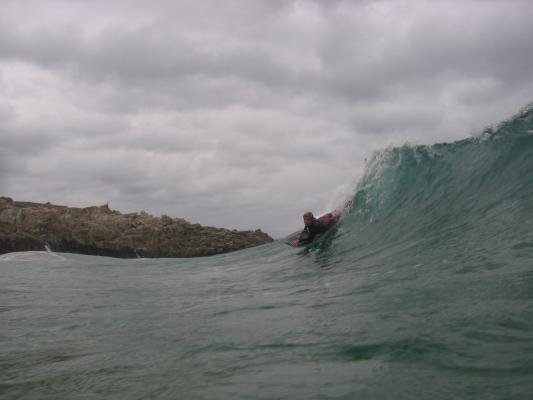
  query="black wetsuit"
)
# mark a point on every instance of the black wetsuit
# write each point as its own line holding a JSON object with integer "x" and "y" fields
{"x": 310, "y": 231}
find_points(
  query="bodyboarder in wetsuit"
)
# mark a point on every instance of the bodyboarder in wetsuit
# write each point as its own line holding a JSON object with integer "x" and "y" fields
{"x": 312, "y": 228}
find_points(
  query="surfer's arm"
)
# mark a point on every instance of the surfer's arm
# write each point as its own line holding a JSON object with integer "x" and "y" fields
{"x": 304, "y": 238}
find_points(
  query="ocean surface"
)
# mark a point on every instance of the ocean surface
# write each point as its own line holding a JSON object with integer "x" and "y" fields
{"x": 424, "y": 290}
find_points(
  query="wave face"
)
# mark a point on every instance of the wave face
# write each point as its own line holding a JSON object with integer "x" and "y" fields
{"x": 471, "y": 198}
{"x": 423, "y": 290}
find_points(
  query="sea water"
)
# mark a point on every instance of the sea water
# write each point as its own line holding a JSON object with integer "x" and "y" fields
{"x": 424, "y": 290}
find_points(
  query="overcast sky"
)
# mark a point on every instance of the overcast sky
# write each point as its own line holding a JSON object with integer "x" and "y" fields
{"x": 240, "y": 113}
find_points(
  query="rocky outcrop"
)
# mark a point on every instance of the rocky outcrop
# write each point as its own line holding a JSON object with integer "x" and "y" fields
{"x": 101, "y": 231}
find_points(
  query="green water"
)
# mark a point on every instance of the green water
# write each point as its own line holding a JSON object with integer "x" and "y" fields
{"x": 423, "y": 291}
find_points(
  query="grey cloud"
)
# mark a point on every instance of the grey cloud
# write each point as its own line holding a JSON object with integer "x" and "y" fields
{"x": 431, "y": 43}
{"x": 228, "y": 113}
{"x": 395, "y": 118}
{"x": 7, "y": 112}
{"x": 146, "y": 55}
{"x": 355, "y": 58}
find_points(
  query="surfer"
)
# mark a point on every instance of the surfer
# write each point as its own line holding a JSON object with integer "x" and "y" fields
{"x": 312, "y": 228}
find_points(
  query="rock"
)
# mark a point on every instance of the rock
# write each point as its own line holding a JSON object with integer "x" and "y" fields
{"x": 98, "y": 230}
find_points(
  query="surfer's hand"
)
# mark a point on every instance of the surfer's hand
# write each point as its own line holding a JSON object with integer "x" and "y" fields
{"x": 295, "y": 243}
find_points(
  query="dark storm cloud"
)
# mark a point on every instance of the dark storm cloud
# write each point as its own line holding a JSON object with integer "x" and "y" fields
{"x": 233, "y": 113}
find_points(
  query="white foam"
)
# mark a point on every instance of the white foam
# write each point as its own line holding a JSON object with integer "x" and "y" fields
{"x": 31, "y": 256}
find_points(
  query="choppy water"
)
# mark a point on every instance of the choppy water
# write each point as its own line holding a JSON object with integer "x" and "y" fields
{"x": 423, "y": 291}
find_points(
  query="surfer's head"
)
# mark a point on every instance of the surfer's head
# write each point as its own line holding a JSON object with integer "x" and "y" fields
{"x": 308, "y": 218}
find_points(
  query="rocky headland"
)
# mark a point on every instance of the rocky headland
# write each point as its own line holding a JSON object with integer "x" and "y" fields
{"x": 98, "y": 230}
